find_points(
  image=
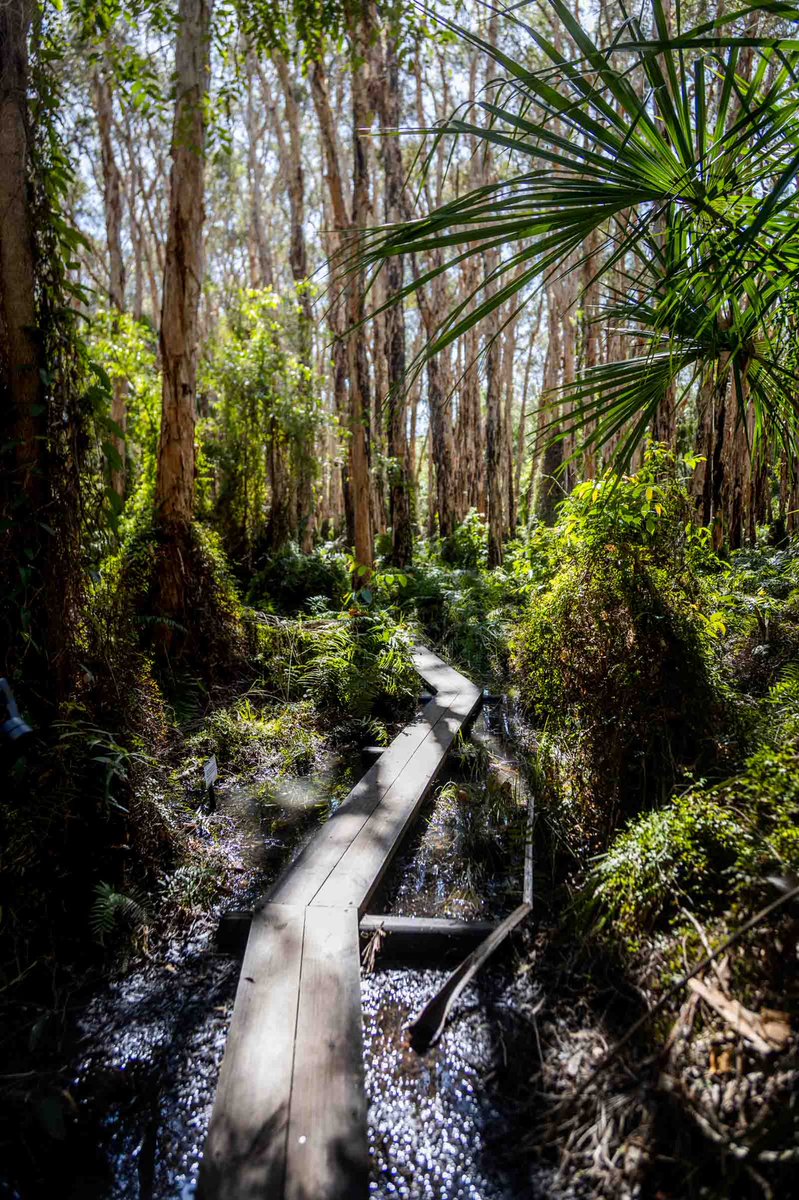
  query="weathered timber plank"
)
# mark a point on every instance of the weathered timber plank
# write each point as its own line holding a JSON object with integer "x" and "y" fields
{"x": 327, "y": 1154}
{"x": 289, "y": 1118}
{"x": 406, "y": 937}
{"x": 245, "y": 1154}
{"x": 357, "y": 874}
{"x": 424, "y": 927}
{"x": 304, "y": 877}
{"x": 435, "y": 940}
{"x": 436, "y": 673}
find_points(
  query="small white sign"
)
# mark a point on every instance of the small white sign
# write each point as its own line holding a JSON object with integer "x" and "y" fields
{"x": 210, "y": 771}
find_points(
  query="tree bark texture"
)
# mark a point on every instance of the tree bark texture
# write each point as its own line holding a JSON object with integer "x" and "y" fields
{"x": 400, "y": 496}
{"x": 184, "y": 267}
{"x": 112, "y": 205}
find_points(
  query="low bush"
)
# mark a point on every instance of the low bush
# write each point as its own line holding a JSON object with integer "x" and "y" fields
{"x": 289, "y": 581}
{"x": 615, "y": 657}
{"x": 712, "y": 847}
{"x": 210, "y": 633}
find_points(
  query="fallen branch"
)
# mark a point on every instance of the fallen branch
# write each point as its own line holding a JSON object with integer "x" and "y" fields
{"x": 372, "y": 949}
{"x": 765, "y": 1036}
{"x": 426, "y": 1029}
{"x": 697, "y": 969}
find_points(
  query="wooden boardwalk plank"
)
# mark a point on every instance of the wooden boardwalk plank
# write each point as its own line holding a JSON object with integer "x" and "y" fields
{"x": 308, "y": 873}
{"x": 289, "y": 1121}
{"x": 438, "y": 674}
{"x": 245, "y": 1154}
{"x": 358, "y": 873}
{"x": 328, "y": 1153}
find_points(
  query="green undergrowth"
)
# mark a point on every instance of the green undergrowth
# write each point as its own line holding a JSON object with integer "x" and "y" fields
{"x": 289, "y": 581}
{"x": 616, "y": 657}
{"x": 663, "y": 684}
{"x": 710, "y": 850}
{"x": 213, "y": 630}
{"x": 244, "y": 737}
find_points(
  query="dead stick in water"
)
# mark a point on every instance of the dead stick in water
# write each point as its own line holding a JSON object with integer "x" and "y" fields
{"x": 427, "y": 1027}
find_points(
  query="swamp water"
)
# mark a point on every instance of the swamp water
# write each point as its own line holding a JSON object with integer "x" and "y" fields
{"x": 151, "y": 1043}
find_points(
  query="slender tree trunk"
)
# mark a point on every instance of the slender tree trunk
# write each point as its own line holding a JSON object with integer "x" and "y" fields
{"x": 112, "y": 203}
{"x": 182, "y": 287}
{"x": 338, "y": 307}
{"x": 261, "y": 259}
{"x": 298, "y": 261}
{"x": 442, "y": 500}
{"x": 493, "y": 452}
{"x": 360, "y": 31}
{"x": 401, "y": 509}
{"x": 23, "y": 407}
{"x": 736, "y": 458}
{"x": 548, "y": 490}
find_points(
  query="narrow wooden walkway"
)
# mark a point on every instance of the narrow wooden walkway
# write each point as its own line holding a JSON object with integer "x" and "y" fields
{"x": 289, "y": 1120}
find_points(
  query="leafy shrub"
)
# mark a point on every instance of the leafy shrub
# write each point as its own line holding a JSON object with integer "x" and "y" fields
{"x": 359, "y": 663}
{"x": 682, "y": 854}
{"x": 289, "y": 581}
{"x": 704, "y": 849}
{"x": 614, "y": 657}
{"x": 758, "y": 597}
{"x": 243, "y": 736}
{"x": 210, "y": 633}
{"x": 467, "y": 546}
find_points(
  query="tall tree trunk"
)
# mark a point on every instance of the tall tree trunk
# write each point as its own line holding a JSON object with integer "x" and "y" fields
{"x": 736, "y": 458}
{"x": 508, "y": 397}
{"x": 401, "y": 514}
{"x": 41, "y": 433}
{"x": 493, "y": 451}
{"x": 24, "y": 418}
{"x": 442, "y": 500}
{"x": 547, "y": 487}
{"x": 262, "y": 271}
{"x": 174, "y": 493}
{"x": 112, "y": 203}
{"x": 360, "y": 33}
{"x": 298, "y": 261}
{"x": 337, "y": 309}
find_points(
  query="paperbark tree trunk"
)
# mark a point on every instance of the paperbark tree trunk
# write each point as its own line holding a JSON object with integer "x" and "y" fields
{"x": 298, "y": 261}
{"x": 360, "y": 33}
{"x": 40, "y": 576}
{"x": 493, "y": 450}
{"x": 174, "y": 495}
{"x": 112, "y": 204}
{"x": 262, "y": 271}
{"x": 400, "y": 496}
{"x": 24, "y": 418}
{"x": 547, "y": 487}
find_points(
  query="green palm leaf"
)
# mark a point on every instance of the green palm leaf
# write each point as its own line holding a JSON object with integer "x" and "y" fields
{"x": 699, "y": 195}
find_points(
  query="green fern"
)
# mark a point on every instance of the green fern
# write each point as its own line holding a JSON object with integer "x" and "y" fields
{"x": 111, "y": 910}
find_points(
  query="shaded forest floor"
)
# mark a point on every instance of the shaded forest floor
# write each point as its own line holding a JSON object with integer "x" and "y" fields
{"x": 654, "y": 718}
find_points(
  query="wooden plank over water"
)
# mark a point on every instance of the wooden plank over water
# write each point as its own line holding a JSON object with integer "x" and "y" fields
{"x": 361, "y": 867}
{"x": 328, "y": 1152}
{"x": 303, "y": 878}
{"x": 289, "y": 1120}
{"x": 245, "y": 1153}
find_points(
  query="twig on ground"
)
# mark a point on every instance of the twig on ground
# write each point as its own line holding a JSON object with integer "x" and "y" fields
{"x": 676, "y": 987}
